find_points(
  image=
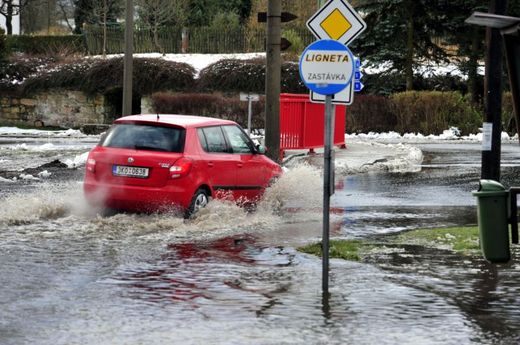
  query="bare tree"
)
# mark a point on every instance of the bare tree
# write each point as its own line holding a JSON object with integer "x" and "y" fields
{"x": 10, "y": 9}
{"x": 157, "y": 14}
{"x": 103, "y": 11}
{"x": 66, "y": 9}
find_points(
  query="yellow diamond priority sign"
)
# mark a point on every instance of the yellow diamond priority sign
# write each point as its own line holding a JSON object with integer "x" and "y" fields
{"x": 336, "y": 20}
{"x": 336, "y": 25}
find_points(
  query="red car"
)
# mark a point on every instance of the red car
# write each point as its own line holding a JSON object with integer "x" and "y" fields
{"x": 148, "y": 163}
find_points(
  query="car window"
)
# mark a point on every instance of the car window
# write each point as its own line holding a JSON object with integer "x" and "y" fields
{"x": 238, "y": 139}
{"x": 145, "y": 137}
{"x": 202, "y": 139}
{"x": 215, "y": 141}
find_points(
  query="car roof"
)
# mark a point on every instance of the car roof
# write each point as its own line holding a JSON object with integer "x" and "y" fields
{"x": 174, "y": 120}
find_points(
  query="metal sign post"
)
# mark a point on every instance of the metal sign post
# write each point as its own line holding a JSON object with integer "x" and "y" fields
{"x": 327, "y": 67}
{"x": 328, "y": 187}
{"x": 250, "y": 98}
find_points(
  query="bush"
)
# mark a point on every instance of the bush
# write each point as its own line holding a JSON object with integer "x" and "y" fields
{"x": 431, "y": 112}
{"x": 214, "y": 105}
{"x": 291, "y": 81}
{"x": 3, "y": 45}
{"x": 47, "y": 45}
{"x": 101, "y": 75}
{"x": 225, "y": 21}
{"x": 59, "y": 76}
{"x": 233, "y": 75}
{"x": 18, "y": 69}
{"x": 297, "y": 45}
{"x": 427, "y": 112}
{"x": 370, "y": 113}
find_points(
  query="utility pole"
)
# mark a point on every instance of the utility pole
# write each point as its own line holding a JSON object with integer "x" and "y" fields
{"x": 272, "y": 80}
{"x": 128, "y": 59}
{"x": 493, "y": 96}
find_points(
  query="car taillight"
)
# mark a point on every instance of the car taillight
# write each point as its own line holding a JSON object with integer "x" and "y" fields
{"x": 180, "y": 168}
{"x": 91, "y": 165}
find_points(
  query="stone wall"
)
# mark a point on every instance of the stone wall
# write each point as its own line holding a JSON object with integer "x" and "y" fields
{"x": 56, "y": 108}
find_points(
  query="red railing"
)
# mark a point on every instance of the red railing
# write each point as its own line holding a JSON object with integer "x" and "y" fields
{"x": 302, "y": 123}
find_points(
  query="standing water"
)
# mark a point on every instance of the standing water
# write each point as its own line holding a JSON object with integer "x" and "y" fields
{"x": 71, "y": 276}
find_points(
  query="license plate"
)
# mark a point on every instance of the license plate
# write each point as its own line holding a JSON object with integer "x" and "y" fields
{"x": 122, "y": 170}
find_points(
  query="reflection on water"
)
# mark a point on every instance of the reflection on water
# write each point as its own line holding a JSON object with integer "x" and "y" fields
{"x": 71, "y": 276}
{"x": 483, "y": 293}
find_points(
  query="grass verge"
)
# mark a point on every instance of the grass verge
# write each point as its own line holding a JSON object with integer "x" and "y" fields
{"x": 352, "y": 250}
{"x": 463, "y": 240}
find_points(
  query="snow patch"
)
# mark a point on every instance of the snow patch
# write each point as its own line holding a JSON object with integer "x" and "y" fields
{"x": 200, "y": 61}
{"x": 25, "y": 147}
{"x": 77, "y": 161}
{"x": 450, "y": 134}
{"x": 40, "y": 132}
{"x": 44, "y": 174}
{"x": 28, "y": 177}
{"x": 400, "y": 158}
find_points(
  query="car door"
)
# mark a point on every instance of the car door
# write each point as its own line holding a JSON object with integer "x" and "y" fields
{"x": 219, "y": 162}
{"x": 251, "y": 172}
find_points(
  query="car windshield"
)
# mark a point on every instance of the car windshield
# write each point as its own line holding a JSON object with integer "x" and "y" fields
{"x": 145, "y": 137}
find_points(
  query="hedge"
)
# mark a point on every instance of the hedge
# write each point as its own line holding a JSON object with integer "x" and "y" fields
{"x": 47, "y": 45}
{"x": 427, "y": 112}
{"x": 210, "y": 104}
{"x": 101, "y": 75}
{"x": 3, "y": 45}
{"x": 434, "y": 111}
{"x": 370, "y": 113}
{"x": 150, "y": 75}
{"x": 18, "y": 69}
{"x": 233, "y": 75}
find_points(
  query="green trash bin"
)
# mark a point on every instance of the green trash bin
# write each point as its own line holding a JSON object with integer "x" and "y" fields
{"x": 493, "y": 224}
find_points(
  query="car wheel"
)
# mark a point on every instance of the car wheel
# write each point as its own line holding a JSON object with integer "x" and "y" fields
{"x": 200, "y": 200}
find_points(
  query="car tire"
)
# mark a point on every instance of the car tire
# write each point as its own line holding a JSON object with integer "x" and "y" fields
{"x": 200, "y": 200}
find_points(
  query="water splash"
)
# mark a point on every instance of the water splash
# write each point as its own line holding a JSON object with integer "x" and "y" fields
{"x": 287, "y": 200}
{"x": 301, "y": 186}
{"x": 49, "y": 201}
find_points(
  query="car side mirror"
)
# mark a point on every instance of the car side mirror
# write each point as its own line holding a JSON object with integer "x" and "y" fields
{"x": 261, "y": 149}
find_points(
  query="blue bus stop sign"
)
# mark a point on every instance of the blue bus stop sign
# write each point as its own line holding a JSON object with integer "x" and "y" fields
{"x": 327, "y": 67}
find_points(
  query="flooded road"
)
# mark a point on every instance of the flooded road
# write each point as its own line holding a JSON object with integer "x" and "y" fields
{"x": 70, "y": 276}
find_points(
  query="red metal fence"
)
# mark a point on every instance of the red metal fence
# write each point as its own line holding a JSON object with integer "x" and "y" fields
{"x": 302, "y": 123}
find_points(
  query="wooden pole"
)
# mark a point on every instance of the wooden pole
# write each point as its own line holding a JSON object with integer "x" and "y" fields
{"x": 272, "y": 80}
{"x": 128, "y": 59}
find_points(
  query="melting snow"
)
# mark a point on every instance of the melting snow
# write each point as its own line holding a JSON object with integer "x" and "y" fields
{"x": 77, "y": 161}
{"x": 14, "y": 131}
